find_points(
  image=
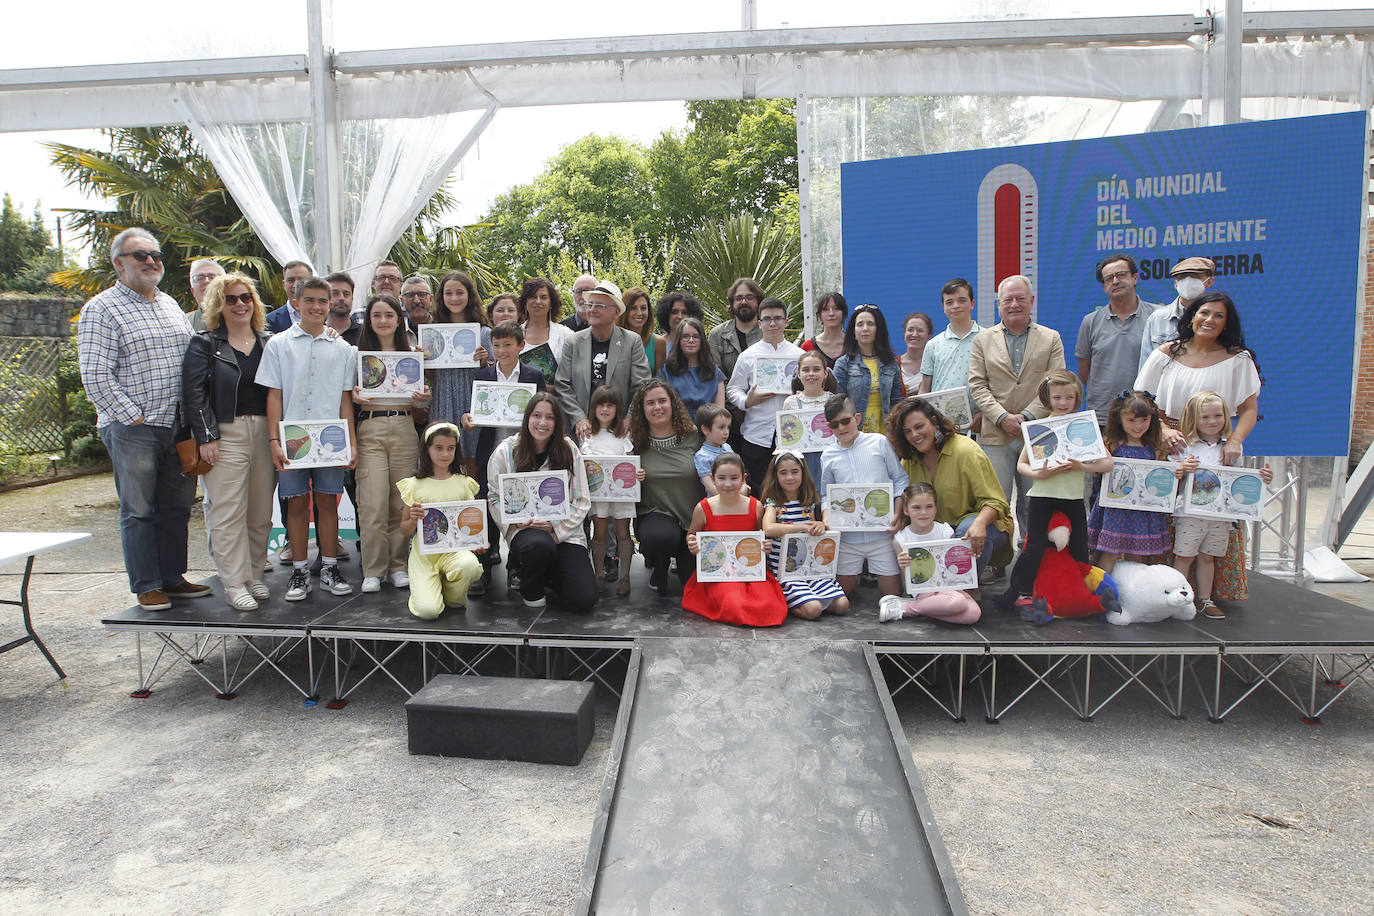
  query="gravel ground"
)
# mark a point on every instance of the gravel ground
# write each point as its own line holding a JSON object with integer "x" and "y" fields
{"x": 182, "y": 802}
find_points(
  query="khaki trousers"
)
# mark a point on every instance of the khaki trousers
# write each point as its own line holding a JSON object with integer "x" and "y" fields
{"x": 388, "y": 450}
{"x": 239, "y": 492}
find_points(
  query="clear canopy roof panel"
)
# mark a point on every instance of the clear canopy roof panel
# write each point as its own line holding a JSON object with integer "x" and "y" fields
{"x": 82, "y": 32}
{"x": 362, "y": 24}
{"x": 797, "y": 14}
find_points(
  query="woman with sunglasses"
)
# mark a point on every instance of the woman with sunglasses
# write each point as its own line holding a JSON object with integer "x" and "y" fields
{"x": 227, "y": 413}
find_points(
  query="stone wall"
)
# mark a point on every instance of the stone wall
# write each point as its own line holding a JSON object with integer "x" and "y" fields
{"x": 37, "y": 317}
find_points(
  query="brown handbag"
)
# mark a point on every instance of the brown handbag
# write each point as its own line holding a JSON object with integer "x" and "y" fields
{"x": 188, "y": 450}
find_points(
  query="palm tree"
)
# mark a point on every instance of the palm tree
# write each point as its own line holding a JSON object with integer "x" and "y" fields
{"x": 716, "y": 254}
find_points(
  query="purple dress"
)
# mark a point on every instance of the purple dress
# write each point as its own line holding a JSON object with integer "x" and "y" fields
{"x": 1144, "y": 534}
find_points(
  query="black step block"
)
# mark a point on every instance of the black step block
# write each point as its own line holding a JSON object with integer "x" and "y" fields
{"x": 502, "y": 718}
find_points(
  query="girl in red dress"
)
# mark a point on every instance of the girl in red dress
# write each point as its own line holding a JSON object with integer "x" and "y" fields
{"x": 754, "y": 604}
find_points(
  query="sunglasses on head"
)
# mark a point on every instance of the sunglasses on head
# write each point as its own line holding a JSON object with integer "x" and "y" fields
{"x": 231, "y": 298}
{"x": 142, "y": 256}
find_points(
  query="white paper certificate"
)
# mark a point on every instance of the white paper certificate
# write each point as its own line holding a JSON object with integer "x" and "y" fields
{"x": 774, "y": 374}
{"x": 613, "y": 478}
{"x": 533, "y": 495}
{"x": 500, "y": 403}
{"x": 730, "y": 556}
{"x": 389, "y": 374}
{"x": 315, "y": 443}
{"x": 859, "y": 506}
{"x": 954, "y": 403}
{"x": 808, "y": 556}
{"x": 804, "y": 430}
{"x": 939, "y": 565}
{"x": 1145, "y": 486}
{"x": 1055, "y": 440}
{"x": 1223, "y": 493}
{"x": 450, "y": 346}
{"x": 447, "y": 527}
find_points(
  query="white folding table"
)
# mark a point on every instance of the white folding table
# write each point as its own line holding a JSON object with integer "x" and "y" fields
{"x": 19, "y": 545}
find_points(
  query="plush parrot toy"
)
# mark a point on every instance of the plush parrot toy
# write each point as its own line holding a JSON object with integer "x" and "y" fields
{"x": 1066, "y": 588}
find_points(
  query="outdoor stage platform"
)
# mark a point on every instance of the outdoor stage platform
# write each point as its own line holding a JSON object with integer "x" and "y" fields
{"x": 1309, "y": 648}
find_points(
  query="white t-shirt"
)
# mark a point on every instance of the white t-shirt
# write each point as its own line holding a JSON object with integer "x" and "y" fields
{"x": 939, "y": 531}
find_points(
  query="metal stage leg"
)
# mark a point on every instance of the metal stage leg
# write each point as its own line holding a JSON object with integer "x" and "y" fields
{"x": 179, "y": 654}
{"x": 927, "y": 668}
{"x": 1357, "y": 672}
{"x": 281, "y": 648}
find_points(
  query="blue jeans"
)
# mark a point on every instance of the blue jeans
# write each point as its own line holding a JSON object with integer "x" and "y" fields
{"x": 995, "y": 541}
{"x": 154, "y": 504}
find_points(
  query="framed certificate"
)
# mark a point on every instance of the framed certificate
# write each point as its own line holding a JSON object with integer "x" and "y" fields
{"x": 447, "y": 527}
{"x": 450, "y": 346}
{"x": 1055, "y": 440}
{"x": 808, "y": 556}
{"x": 500, "y": 403}
{"x": 774, "y": 374}
{"x": 390, "y": 374}
{"x": 613, "y": 478}
{"x": 730, "y": 556}
{"x": 315, "y": 443}
{"x": 533, "y": 495}
{"x": 859, "y": 506}
{"x": 804, "y": 430}
{"x": 938, "y": 565}
{"x": 954, "y": 403}
{"x": 1223, "y": 493}
{"x": 1135, "y": 483}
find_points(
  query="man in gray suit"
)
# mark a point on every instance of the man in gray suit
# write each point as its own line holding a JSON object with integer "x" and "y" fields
{"x": 599, "y": 354}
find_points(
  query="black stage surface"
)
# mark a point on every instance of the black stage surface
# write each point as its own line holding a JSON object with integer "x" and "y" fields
{"x": 1279, "y": 623}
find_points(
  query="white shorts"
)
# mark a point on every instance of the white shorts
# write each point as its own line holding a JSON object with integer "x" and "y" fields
{"x": 605, "y": 508}
{"x": 882, "y": 559}
{"x": 1200, "y": 535}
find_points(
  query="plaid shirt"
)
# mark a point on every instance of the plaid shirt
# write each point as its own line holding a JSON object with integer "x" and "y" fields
{"x": 130, "y": 351}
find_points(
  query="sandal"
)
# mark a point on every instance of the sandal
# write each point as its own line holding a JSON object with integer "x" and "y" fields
{"x": 1206, "y": 608}
{"x": 239, "y": 599}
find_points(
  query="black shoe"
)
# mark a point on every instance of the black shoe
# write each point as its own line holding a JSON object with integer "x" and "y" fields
{"x": 479, "y": 588}
{"x": 658, "y": 579}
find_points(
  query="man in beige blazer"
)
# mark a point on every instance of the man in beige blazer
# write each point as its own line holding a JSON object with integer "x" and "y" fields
{"x": 1006, "y": 366}
{"x": 599, "y": 354}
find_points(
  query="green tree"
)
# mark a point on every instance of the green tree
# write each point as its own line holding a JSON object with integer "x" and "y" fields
{"x": 27, "y": 258}
{"x": 718, "y": 253}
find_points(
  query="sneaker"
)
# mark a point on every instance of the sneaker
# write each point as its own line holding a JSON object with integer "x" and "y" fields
{"x": 154, "y": 600}
{"x": 333, "y": 582}
{"x": 184, "y": 589}
{"x": 479, "y": 588}
{"x": 400, "y": 579}
{"x": 512, "y": 580}
{"x": 239, "y": 599}
{"x": 1206, "y": 608}
{"x": 371, "y": 584}
{"x": 259, "y": 591}
{"x": 284, "y": 555}
{"x": 533, "y": 602}
{"x": 890, "y": 608}
{"x": 299, "y": 585}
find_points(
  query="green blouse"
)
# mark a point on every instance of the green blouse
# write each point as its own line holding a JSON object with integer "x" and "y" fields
{"x": 671, "y": 484}
{"x": 964, "y": 483}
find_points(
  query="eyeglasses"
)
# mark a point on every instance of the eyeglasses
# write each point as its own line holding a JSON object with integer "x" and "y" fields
{"x": 745, "y": 297}
{"x": 600, "y": 305}
{"x": 203, "y": 278}
{"x": 773, "y": 319}
{"x": 1119, "y": 275}
{"x": 416, "y": 294}
{"x": 395, "y": 278}
{"x": 140, "y": 256}
{"x": 231, "y": 298}
{"x": 686, "y": 337}
{"x": 840, "y": 422}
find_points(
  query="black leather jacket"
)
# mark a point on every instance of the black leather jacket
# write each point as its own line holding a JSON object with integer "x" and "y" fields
{"x": 210, "y": 383}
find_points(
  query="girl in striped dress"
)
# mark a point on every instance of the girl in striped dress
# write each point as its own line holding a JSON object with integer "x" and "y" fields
{"x": 792, "y": 506}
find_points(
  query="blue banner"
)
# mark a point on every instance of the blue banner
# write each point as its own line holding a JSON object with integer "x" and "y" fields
{"x": 1276, "y": 204}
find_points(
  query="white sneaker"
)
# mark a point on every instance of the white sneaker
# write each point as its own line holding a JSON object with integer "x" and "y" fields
{"x": 299, "y": 585}
{"x": 371, "y": 584}
{"x": 890, "y": 608}
{"x": 400, "y": 579}
{"x": 533, "y": 602}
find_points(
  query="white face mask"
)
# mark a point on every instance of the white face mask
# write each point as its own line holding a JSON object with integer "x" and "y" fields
{"x": 1189, "y": 288}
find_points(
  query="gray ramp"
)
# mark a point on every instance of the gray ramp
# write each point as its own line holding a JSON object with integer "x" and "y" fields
{"x": 762, "y": 776}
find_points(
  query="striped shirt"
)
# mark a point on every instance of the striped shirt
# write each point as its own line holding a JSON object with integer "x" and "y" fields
{"x": 130, "y": 351}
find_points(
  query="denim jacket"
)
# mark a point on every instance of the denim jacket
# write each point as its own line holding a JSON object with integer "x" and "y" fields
{"x": 854, "y": 380}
